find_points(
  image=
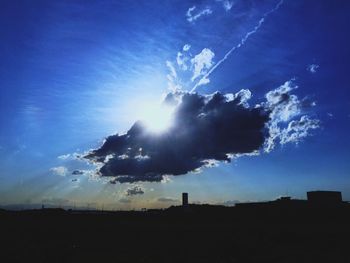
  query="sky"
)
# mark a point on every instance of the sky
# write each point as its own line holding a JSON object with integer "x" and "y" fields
{"x": 127, "y": 104}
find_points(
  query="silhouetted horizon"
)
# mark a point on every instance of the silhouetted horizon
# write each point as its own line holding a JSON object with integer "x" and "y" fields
{"x": 322, "y": 195}
{"x": 283, "y": 230}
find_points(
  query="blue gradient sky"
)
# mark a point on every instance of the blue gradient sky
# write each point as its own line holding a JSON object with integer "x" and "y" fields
{"x": 74, "y": 72}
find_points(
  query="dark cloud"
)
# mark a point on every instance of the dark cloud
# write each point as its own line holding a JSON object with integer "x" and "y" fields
{"x": 77, "y": 172}
{"x": 205, "y": 128}
{"x": 113, "y": 181}
{"x": 136, "y": 190}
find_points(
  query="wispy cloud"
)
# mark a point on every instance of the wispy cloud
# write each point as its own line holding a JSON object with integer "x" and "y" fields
{"x": 298, "y": 129}
{"x": 124, "y": 200}
{"x": 167, "y": 200}
{"x": 60, "y": 170}
{"x": 69, "y": 156}
{"x": 313, "y": 68}
{"x": 182, "y": 59}
{"x": 186, "y": 47}
{"x": 173, "y": 84}
{"x": 172, "y": 69}
{"x": 204, "y": 79}
{"x": 64, "y": 156}
{"x": 55, "y": 201}
{"x": 227, "y": 5}
{"x": 202, "y": 62}
{"x": 193, "y": 17}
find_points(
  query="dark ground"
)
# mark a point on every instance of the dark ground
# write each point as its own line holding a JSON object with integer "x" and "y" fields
{"x": 196, "y": 234}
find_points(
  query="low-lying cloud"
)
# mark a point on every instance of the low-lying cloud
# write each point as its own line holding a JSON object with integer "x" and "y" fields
{"x": 136, "y": 190}
{"x": 206, "y": 129}
{"x": 124, "y": 200}
{"x": 59, "y": 170}
{"x": 78, "y": 172}
{"x": 167, "y": 200}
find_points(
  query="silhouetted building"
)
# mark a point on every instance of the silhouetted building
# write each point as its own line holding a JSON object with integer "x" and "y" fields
{"x": 284, "y": 199}
{"x": 184, "y": 199}
{"x": 324, "y": 197}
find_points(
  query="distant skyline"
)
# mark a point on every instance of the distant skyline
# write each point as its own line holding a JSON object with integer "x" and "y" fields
{"x": 125, "y": 105}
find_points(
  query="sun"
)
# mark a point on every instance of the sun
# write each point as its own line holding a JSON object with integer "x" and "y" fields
{"x": 157, "y": 117}
{"x": 151, "y": 110}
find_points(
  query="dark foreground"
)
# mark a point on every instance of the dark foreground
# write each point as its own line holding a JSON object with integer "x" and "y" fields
{"x": 196, "y": 234}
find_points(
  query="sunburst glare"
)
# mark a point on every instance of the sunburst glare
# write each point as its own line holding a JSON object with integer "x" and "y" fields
{"x": 157, "y": 117}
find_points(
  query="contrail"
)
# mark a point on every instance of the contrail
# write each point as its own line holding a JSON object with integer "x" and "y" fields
{"x": 243, "y": 40}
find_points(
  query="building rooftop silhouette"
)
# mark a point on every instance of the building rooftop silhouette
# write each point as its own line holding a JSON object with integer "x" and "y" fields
{"x": 314, "y": 198}
{"x": 324, "y": 197}
{"x": 184, "y": 199}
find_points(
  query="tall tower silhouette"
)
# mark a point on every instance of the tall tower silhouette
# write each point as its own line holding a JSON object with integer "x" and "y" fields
{"x": 184, "y": 199}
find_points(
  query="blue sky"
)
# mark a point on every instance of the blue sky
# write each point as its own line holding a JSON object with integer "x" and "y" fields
{"x": 73, "y": 73}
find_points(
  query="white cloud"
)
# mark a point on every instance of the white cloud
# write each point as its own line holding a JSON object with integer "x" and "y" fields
{"x": 182, "y": 58}
{"x": 227, "y": 5}
{"x": 123, "y": 157}
{"x": 193, "y": 17}
{"x": 60, "y": 170}
{"x": 166, "y": 179}
{"x": 313, "y": 68}
{"x": 172, "y": 69}
{"x": 69, "y": 156}
{"x": 64, "y": 156}
{"x": 203, "y": 81}
{"x": 285, "y": 107}
{"x": 186, "y": 47}
{"x": 173, "y": 83}
{"x": 141, "y": 157}
{"x": 182, "y": 61}
{"x": 211, "y": 163}
{"x": 201, "y": 63}
{"x": 244, "y": 95}
{"x": 298, "y": 129}
{"x": 189, "y": 11}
